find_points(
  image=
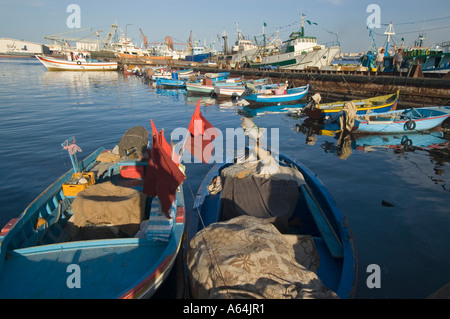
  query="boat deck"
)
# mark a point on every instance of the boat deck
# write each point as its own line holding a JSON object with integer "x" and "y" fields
{"x": 106, "y": 268}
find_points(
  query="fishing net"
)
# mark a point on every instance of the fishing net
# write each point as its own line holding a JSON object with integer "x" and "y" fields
{"x": 134, "y": 142}
{"x": 247, "y": 257}
{"x": 106, "y": 210}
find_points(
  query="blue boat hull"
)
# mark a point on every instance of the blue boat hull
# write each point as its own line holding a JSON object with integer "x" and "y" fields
{"x": 198, "y": 57}
{"x": 171, "y": 83}
{"x": 291, "y": 95}
{"x": 40, "y": 262}
{"x": 415, "y": 120}
{"x": 337, "y": 268}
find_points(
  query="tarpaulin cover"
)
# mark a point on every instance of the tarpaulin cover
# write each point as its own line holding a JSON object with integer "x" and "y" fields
{"x": 247, "y": 257}
{"x": 245, "y": 191}
{"x": 106, "y": 204}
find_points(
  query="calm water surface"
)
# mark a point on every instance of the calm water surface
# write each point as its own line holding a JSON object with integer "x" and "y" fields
{"x": 409, "y": 240}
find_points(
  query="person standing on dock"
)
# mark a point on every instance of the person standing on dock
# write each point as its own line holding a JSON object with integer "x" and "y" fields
{"x": 379, "y": 62}
{"x": 398, "y": 59}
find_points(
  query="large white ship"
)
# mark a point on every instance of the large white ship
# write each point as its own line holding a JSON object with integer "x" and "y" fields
{"x": 299, "y": 52}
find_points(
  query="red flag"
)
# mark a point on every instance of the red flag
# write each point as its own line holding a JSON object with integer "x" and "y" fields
{"x": 162, "y": 141}
{"x": 201, "y": 133}
{"x": 162, "y": 177}
{"x": 150, "y": 172}
{"x": 167, "y": 148}
{"x": 154, "y": 129}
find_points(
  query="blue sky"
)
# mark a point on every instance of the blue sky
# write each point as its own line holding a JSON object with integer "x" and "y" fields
{"x": 33, "y": 19}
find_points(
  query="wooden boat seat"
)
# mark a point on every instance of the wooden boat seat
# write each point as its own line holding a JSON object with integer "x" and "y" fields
{"x": 41, "y": 229}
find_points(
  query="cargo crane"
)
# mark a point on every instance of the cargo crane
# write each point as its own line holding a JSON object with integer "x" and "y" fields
{"x": 169, "y": 42}
{"x": 144, "y": 38}
{"x": 65, "y": 37}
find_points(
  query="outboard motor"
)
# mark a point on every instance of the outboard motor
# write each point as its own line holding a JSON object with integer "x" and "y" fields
{"x": 313, "y": 101}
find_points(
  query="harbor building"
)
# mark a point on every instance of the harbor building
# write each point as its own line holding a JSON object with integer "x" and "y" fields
{"x": 14, "y": 47}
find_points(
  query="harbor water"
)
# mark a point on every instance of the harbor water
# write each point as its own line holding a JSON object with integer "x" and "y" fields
{"x": 395, "y": 198}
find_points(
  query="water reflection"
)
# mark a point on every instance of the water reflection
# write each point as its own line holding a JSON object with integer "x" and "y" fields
{"x": 79, "y": 80}
{"x": 204, "y": 100}
{"x": 273, "y": 109}
{"x": 344, "y": 143}
{"x": 176, "y": 94}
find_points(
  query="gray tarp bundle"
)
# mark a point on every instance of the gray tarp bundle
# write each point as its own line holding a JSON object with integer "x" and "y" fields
{"x": 247, "y": 192}
{"x": 260, "y": 197}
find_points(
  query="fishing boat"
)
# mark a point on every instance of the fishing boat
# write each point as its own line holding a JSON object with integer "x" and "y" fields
{"x": 253, "y": 190}
{"x": 163, "y": 73}
{"x": 216, "y": 77}
{"x": 76, "y": 61}
{"x": 93, "y": 233}
{"x": 331, "y": 111}
{"x": 206, "y": 85}
{"x": 185, "y": 73}
{"x": 200, "y": 87}
{"x": 299, "y": 52}
{"x": 171, "y": 83}
{"x": 401, "y": 121}
{"x": 235, "y": 91}
{"x": 278, "y": 94}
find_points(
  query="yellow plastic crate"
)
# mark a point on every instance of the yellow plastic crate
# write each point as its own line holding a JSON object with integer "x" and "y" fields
{"x": 73, "y": 186}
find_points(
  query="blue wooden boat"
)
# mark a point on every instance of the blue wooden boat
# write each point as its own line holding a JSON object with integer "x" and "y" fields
{"x": 216, "y": 77}
{"x": 401, "y": 121}
{"x": 41, "y": 258}
{"x": 278, "y": 95}
{"x": 207, "y": 85}
{"x": 320, "y": 218}
{"x": 236, "y": 90}
{"x": 328, "y": 111}
{"x": 172, "y": 83}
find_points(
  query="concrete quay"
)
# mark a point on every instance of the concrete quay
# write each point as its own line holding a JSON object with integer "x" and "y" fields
{"x": 415, "y": 90}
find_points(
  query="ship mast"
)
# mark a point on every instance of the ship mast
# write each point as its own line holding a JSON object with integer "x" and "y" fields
{"x": 389, "y": 31}
{"x": 303, "y": 26}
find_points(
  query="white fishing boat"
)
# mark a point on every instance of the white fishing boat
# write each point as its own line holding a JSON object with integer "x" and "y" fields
{"x": 242, "y": 44}
{"x": 76, "y": 61}
{"x": 299, "y": 52}
{"x": 236, "y": 90}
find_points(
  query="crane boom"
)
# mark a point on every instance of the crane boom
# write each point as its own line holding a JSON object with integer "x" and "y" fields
{"x": 144, "y": 38}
